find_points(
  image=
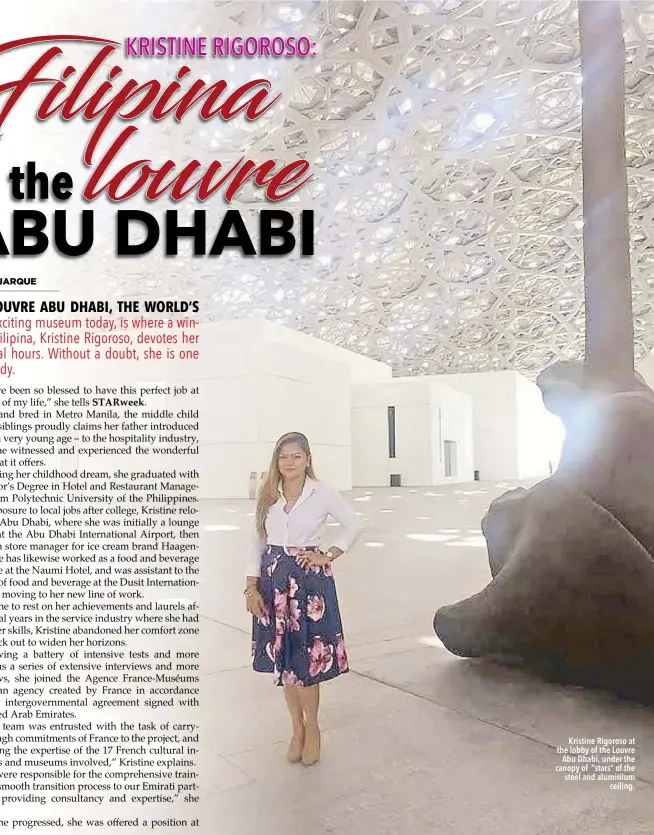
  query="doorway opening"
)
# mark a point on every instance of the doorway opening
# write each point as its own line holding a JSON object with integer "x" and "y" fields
{"x": 450, "y": 456}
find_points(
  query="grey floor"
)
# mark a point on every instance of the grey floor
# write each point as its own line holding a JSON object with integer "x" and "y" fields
{"x": 415, "y": 741}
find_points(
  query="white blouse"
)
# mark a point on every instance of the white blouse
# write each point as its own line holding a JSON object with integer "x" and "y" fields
{"x": 302, "y": 526}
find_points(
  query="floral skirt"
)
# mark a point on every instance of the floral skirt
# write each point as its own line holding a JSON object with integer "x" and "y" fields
{"x": 299, "y": 638}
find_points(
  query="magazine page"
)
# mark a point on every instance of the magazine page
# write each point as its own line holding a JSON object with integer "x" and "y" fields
{"x": 326, "y": 417}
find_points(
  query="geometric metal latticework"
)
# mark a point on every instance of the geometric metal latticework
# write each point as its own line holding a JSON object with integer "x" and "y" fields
{"x": 447, "y": 140}
{"x": 445, "y": 137}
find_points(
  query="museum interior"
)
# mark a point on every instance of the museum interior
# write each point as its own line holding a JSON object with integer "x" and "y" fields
{"x": 463, "y": 236}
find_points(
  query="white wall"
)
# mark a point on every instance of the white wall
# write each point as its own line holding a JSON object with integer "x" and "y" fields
{"x": 452, "y": 420}
{"x": 259, "y": 380}
{"x": 253, "y": 391}
{"x": 359, "y": 368}
{"x": 515, "y": 437}
{"x": 418, "y": 431}
{"x": 494, "y": 421}
{"x": 370, "y": 461}
{"x": 371, "y": 465}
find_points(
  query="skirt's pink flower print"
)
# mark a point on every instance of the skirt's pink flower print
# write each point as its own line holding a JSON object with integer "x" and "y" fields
{"x": 294, "y": 616}
{"x": 315, "y": 607}
{"x": 321, "y": 658}
{"x": 321, "y": 569}
{"x": 280, "y": 628}
{"x": 300, "y": 635}
{"x": 281, "y": 599}
{"x": 289, "y": 678}
{"x": 341, "y": 655}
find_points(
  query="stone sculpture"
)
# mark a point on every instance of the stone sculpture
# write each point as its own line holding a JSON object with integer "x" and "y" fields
{"x": 572, "y": 558}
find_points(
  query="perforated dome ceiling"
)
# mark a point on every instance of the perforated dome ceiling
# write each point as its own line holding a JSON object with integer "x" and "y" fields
{"x": 445, "y": 137}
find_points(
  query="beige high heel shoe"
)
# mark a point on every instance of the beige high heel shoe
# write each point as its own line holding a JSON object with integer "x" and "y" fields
{"x": 311, "y": 750}
{"x": 295, "y": 748}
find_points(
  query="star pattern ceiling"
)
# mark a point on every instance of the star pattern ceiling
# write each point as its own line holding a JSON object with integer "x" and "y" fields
{"x": 445, "y": 137}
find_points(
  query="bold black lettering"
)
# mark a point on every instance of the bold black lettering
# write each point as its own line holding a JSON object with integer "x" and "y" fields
{"x": 34, "y": 178}
{"x": 23, "y": 232}
{"x": 60, "y": 239}
{"x": 307, "y": 232}
{"x": 123, "y": 219}
{"x": 268, "y": 232}
{"x": 16, "y": 177}
{"x": 62, "y": 185}
{"x": 224, "y": 239}
{"x": 198, "y": 232}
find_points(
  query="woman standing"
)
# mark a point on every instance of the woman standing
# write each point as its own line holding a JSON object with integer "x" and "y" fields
{"x": 290, "y": 589}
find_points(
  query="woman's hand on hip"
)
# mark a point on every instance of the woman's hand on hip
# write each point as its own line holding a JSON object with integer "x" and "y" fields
{"x": 309, "y": 559}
